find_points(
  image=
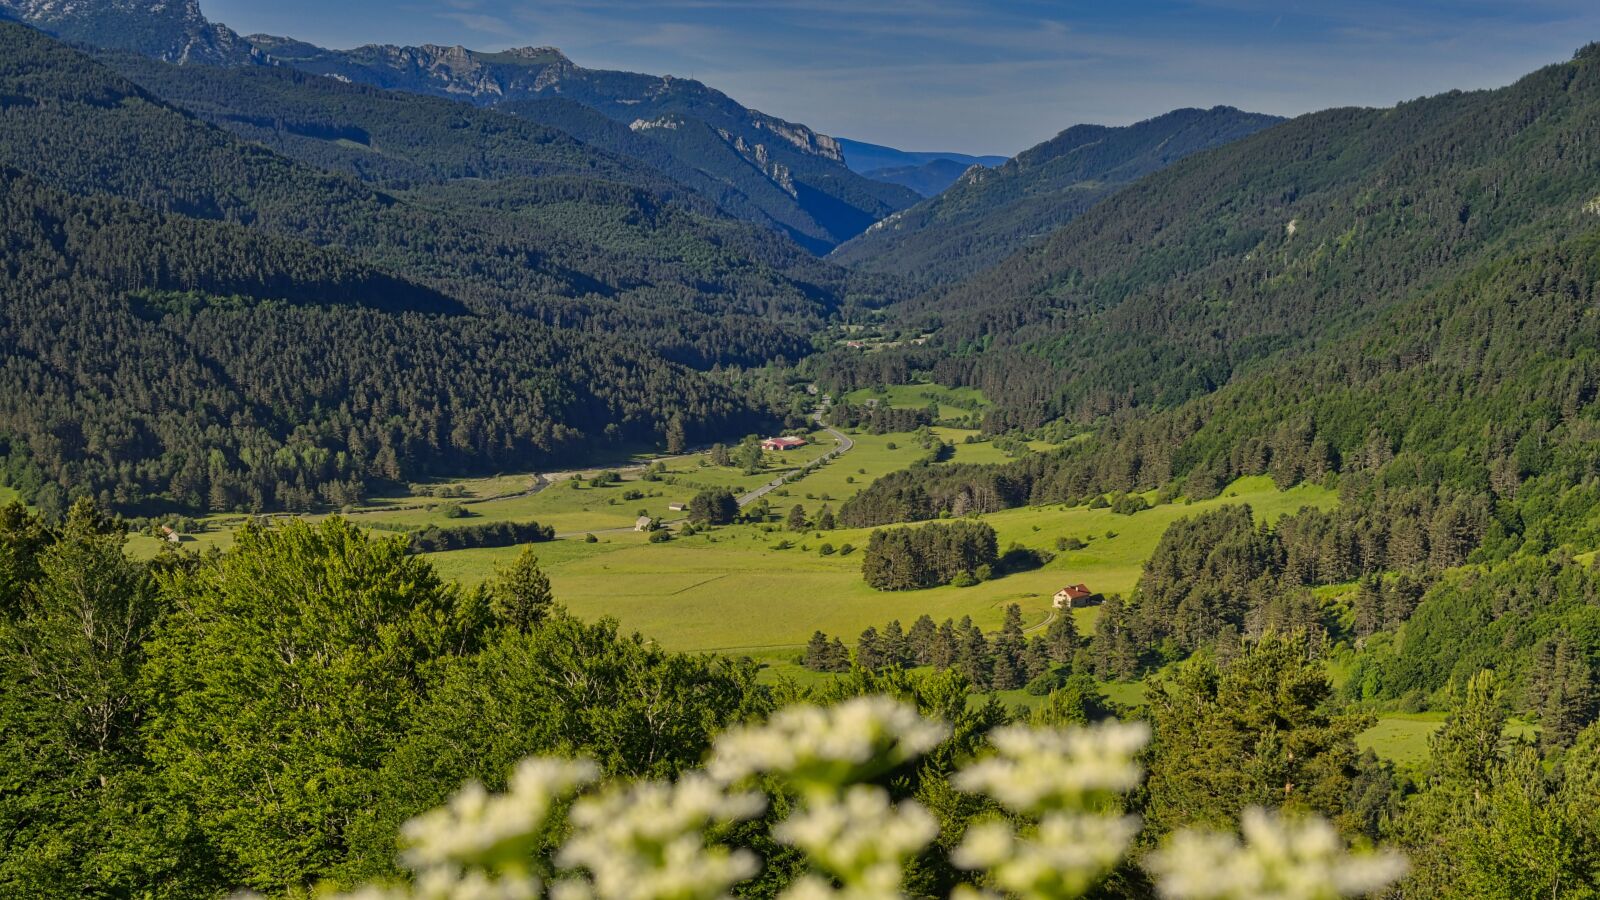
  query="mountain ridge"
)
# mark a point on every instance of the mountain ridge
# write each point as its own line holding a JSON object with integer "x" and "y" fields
{"x": 989, "y": 213}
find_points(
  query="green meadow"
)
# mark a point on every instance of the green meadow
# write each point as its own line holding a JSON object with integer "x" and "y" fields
{"x": 737, "y": 589}
{"x": 954, "y": 403}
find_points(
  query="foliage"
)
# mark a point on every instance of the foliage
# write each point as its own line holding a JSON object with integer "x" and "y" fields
{"x": 899, "y": 559}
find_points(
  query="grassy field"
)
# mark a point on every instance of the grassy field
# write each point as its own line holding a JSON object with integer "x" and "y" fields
{"x": 730, "y": 589}
{"x": 954, "y": 403}
{"x": 505, "y": 498}
{"x": 1402, "y": 738}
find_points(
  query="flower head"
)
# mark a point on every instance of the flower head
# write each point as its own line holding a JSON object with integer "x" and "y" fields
{"x": 1064, "y": 856}
{"x": 647, "y": 841}
{"x": 1036, "y": 770}
{"x": 1279, "y": 858}
{"x": 861, "y": 838}
{"x": 499, "y": 832}
{"x": 819, "y": 749}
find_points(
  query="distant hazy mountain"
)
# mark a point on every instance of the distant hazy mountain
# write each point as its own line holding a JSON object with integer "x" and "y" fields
{"x": 867, "y": 158}
{"x": 991, "y": 213}
{"x": 170, "y": 30}
{"x": 927, "y": 179}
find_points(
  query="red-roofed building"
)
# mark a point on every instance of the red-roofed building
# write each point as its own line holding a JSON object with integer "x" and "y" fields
{"x": 780, "y": 444}
{"x": 1074, "y": 596}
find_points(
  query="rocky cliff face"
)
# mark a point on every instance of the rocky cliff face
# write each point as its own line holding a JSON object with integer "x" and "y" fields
{"x": 171, "y": 30}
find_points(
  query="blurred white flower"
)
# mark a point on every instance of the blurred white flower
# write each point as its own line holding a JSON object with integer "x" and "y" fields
{"x": 646, "y": 841}
{"x": 822, "y": 748}
{"x": 1279, "y": 858}
{"x": 1062, "y": 857}
{"x": 496, "y": 833}
{"x": 861, "y": 838}
{"x": 1035, "y": 770}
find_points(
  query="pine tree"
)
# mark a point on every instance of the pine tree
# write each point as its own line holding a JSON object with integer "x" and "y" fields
{"x": 797, "y": 518}
{"x": 520, "y": 596}
{"x": 838, "y": 656}
{"x": 816, "y": 658}
{"x": 921, "y": 638}
{"x": 1061, "y": 636}
{"x": 896, "y": 647}
{"x": 1368, "y": 606}
{"x": 942, "y": 652}
{"x": 825, "y": 519}
{"x": 1035, "y": 659}
{"x": 869, "y": 650}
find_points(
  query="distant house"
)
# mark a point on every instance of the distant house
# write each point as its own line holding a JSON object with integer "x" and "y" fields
{"x": 644, "y": 523}
{"x": 170, "y": 536}
{"x": 780, "y": 444}
{"x": 1074, "y": 596}
{"x": 677, "y": 507}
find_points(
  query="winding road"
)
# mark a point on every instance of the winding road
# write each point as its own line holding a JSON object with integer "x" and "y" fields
{"x": 843, "y": 446}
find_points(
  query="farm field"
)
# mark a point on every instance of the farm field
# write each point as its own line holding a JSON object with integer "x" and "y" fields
{"x": 730, "y": 590}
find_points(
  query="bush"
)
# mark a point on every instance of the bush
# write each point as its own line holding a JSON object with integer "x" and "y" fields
{"x": 1046, "y": 682}
{"x": 964, "y": 579}
{"x": 660, "y": 536}
{"x": 847, "y": 549}
{"x": 453, "y": 511}
{"x": 1128, "y": 504}
{"x": 590, "y": 539}
{"x": 826, "y": 550}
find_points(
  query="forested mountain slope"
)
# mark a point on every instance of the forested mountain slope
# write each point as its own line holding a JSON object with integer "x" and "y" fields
{"x": 988, "y": 214}
{"x": 607, "y": 215}
{"x": 1278, "y": 242}
{"x": 180, "y": 339}
{"x": 1425, "y": 329}
{"x": 77, "y": 125}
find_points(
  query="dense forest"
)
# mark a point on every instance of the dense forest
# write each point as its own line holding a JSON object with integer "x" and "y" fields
{"x": 265, "y": 335}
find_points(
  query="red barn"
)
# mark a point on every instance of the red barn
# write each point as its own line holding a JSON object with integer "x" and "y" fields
{"x": 780, "y": 444}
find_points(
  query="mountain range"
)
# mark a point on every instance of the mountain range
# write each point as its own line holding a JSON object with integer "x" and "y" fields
{"x": 760, "y": 168}
{"x": 987, "y": 214}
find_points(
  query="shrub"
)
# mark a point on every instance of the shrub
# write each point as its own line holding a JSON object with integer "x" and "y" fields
{"x": 660, "y": 536}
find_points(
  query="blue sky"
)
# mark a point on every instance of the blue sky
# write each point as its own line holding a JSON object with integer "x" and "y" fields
{"x": 961, "y": 75}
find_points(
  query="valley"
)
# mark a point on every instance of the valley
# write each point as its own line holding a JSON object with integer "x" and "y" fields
{"x": 448, "y": 472}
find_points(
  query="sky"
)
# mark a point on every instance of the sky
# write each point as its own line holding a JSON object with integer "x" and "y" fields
{"x": 995, "y": 77}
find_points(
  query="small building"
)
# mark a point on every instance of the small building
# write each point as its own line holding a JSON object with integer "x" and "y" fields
{"x": 780, "y": 444}
{"x": 677, "y": 507}
{"x": 1075, "y": 596}
{"x": 644, "y": 523}
{"x": 170, "y": 536}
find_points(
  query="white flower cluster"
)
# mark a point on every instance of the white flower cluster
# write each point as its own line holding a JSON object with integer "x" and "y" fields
{"x": 1068, "y": 780}
{"x": 822, "y": 749}
{"x": 861, "y": 838}
{"x": 495, "y": 833}
{"x": 1035, "y": 771}
{"x": 1063, "y": 857}
{"x": 656, "y": 840}
{"x": 1279, "y": 859}
{"x": 646, "y": 841}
